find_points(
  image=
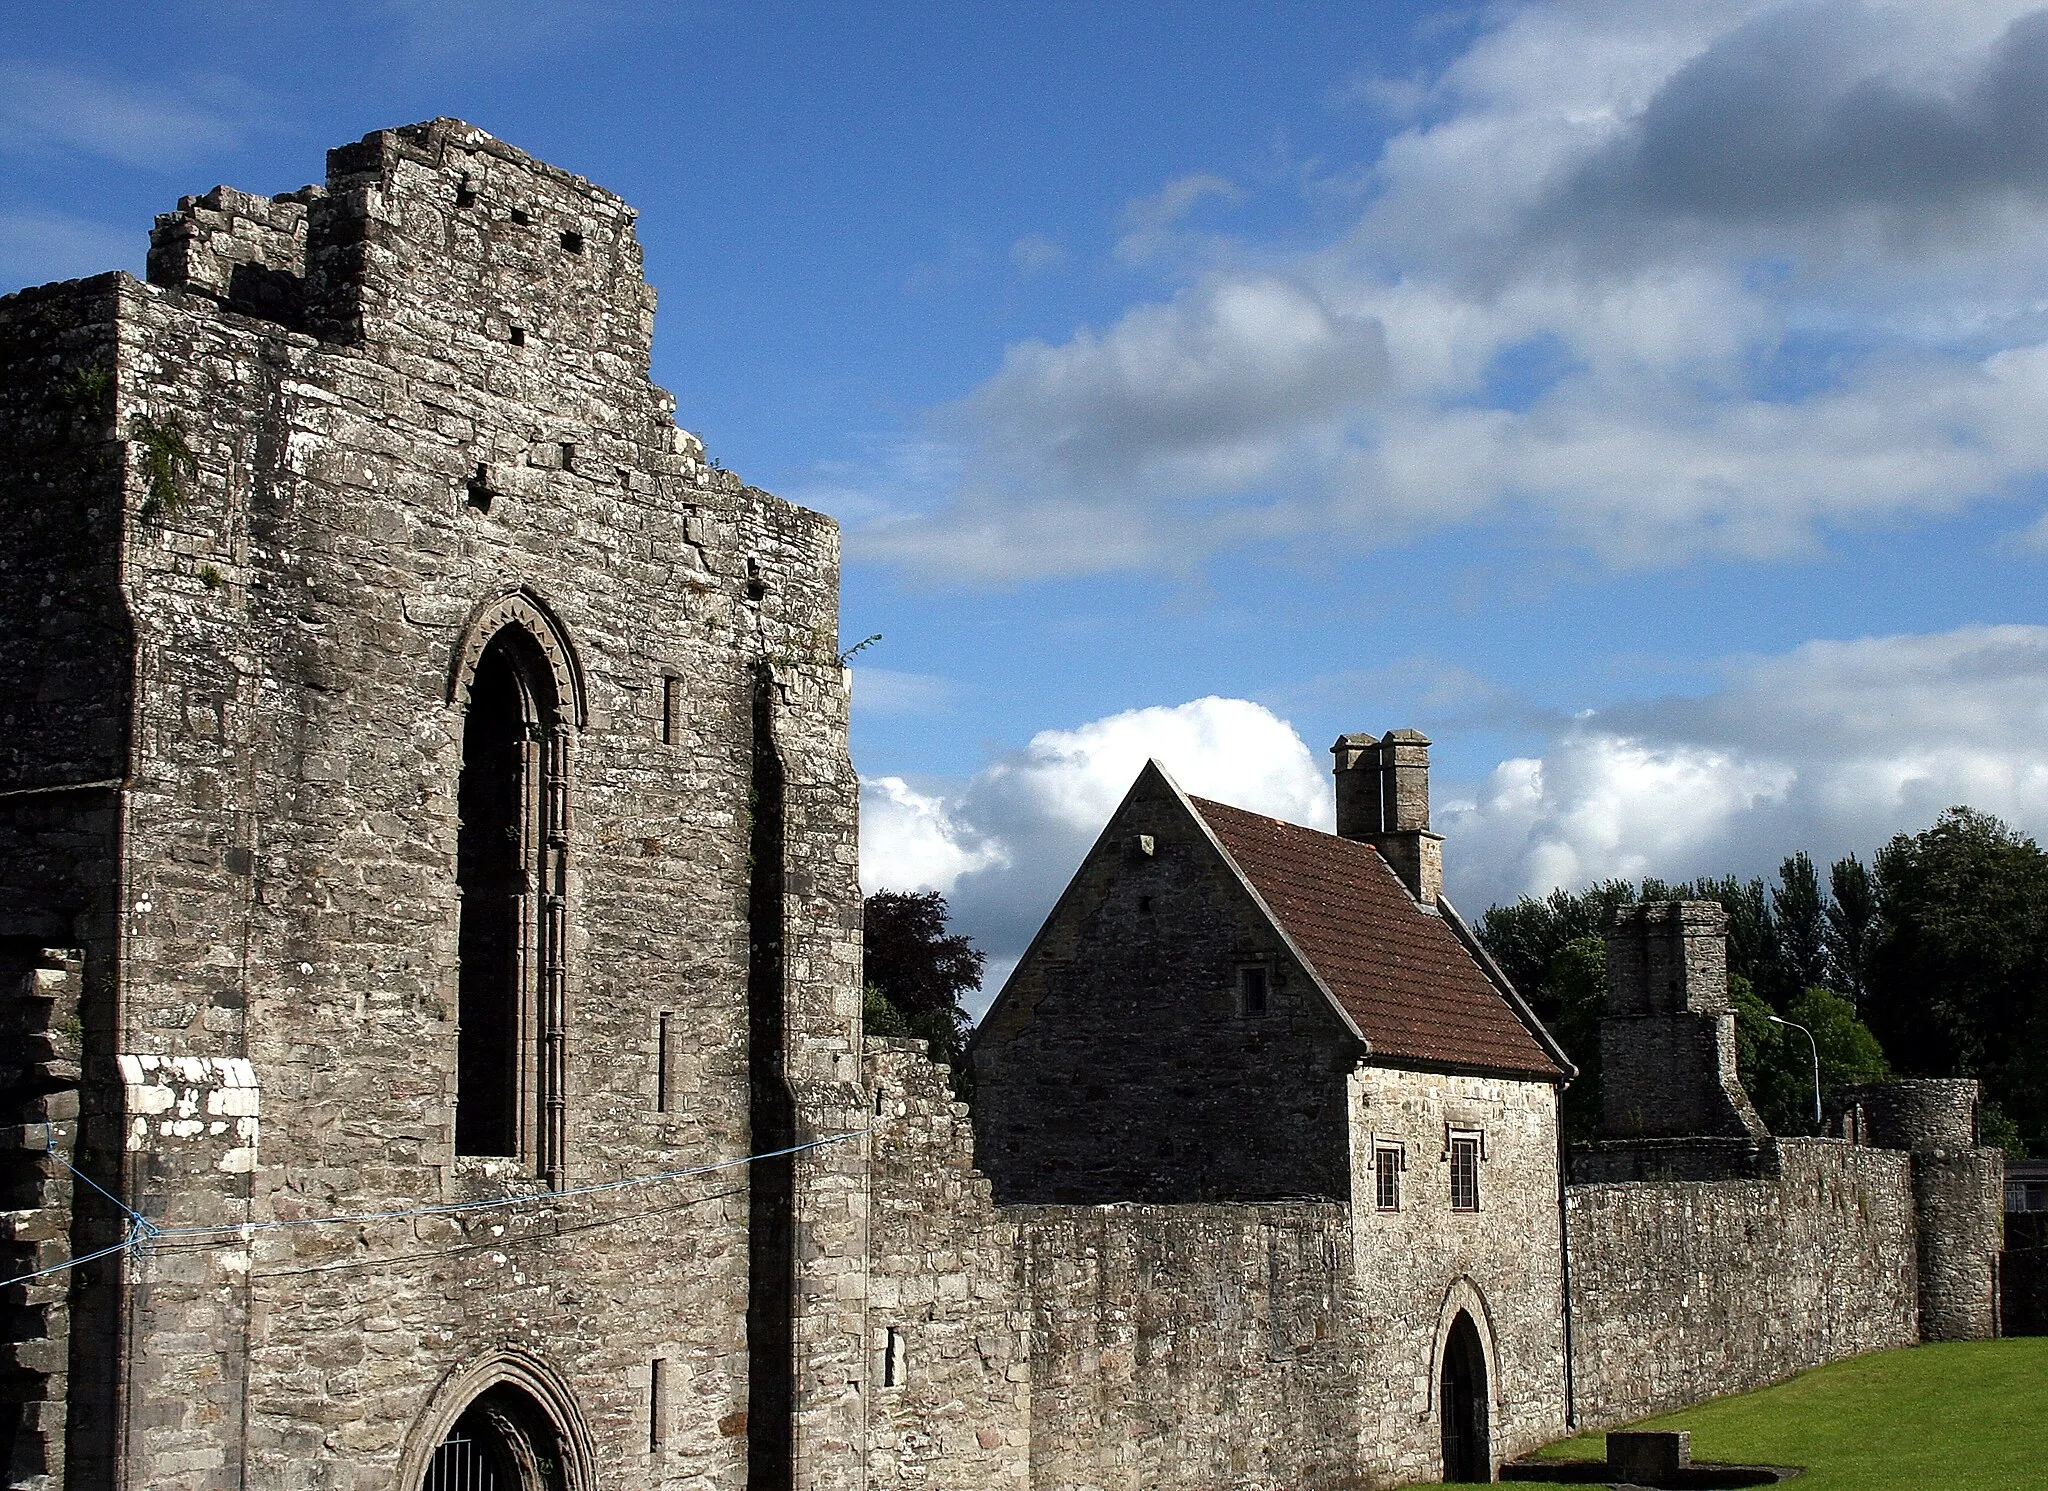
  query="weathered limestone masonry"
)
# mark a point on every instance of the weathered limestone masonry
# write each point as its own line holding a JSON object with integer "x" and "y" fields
{"x": 1958, "y": 1196}
{"x": 1708, "y": 1257}
{"x": 271, "y": 517}
{"x": 1682, "y": 1290}
{"x": 950, "y": 1400}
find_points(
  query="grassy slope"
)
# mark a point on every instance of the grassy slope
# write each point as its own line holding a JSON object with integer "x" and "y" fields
{"x": 1965, "y": 1416}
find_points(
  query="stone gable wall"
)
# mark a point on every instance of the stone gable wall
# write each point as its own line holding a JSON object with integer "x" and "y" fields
{"x": 1118, "y": 1053}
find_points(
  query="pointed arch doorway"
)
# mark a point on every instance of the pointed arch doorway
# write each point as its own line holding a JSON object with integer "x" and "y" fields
{"x": 1461, "y": 1405}
{"x": 506, "y": 1424}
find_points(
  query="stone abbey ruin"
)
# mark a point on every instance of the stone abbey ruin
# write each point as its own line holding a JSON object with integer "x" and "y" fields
{"x": 428, "y": 874}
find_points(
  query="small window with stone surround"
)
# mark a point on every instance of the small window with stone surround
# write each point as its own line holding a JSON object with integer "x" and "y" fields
{"x": 1251, "y": 992}
{"x": 1465, "y": 1151}
{"x": 1388, "y": 1161}
{"x": 895, "y": 1358}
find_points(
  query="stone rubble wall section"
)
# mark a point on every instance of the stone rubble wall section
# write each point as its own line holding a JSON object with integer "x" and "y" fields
{"x": 39, "y": 1079}
{"x": 942, "y": 1281}
{"x": 1193, "y": 1346}
{"x": 1686, "y": 1290}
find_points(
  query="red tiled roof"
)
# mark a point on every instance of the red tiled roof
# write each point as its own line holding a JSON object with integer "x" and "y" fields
{"x": 1400, "y": 973}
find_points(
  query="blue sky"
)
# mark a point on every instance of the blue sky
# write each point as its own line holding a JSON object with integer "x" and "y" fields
{"x": 1649, "y": 402}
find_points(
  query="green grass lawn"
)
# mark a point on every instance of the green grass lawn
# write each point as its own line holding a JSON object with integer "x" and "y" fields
{"x": 1962, "y": 1416}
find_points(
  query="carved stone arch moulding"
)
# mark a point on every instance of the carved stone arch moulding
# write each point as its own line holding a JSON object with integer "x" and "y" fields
{"x": 504, "y": 1368}
{"x": 1465, "y": 1295}
{"x": 524, "y": 609}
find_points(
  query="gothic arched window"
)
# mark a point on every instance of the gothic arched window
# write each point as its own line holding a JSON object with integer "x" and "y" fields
{"x": 511, "y": 843}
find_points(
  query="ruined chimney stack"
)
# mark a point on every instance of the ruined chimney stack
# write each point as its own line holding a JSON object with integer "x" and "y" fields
{"x": 1383, "y": 800}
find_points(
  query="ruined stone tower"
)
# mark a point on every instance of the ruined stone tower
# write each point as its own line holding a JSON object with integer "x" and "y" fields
{"x": 433, "y": 776}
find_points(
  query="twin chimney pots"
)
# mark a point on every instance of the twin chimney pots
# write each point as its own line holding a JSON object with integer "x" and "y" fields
{"x": 1383, "y": 800}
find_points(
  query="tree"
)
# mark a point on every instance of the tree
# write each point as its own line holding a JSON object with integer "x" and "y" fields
{"x": 1800, "y": 911}
{"x": 1776, "y": 1063}
{"x": 913, "y": 972}
{"x": 1576, "y": 989}
{"x": 1958, "y": 972}
{"x": 1852, "y": 924}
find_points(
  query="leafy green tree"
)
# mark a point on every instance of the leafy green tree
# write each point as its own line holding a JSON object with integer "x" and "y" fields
{"x": 913, "y": 972}
{"x": 1958, "y": 974}
{"x": 1576, "y": 989}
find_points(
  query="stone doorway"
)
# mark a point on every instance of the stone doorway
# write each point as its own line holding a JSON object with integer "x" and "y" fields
{"x": 1461, "y": 1405}
{"x": 502, "y": 1442}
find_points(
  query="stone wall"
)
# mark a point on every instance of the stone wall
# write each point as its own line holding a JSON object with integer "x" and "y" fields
{"x": 1684, "y": 1290}
{"x": 1120, "y": 1051}
{"x": 1192, "y": 1346}
{"x": 1419, "y": 1265}
{"x": 267, "y": 581}
{"x": 949, "y": 1344}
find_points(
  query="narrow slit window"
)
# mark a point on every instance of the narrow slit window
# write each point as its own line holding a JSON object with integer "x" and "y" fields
{"x": 657, "y": 1405}
{"x": 671, "y": 709}
{"x": 568, "y": 449}
{"x": 895, "y": 1359}
{"x": 663, "y": 1063}
{"x": 1464, "y": 1172}
{"x": 1251, "y": 989}
{"x": 465, "y": 191}
{"x": 1387, "y": 1165}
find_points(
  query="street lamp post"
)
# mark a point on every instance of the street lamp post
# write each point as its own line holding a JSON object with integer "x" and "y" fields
{"x": 1775, "y": 1020}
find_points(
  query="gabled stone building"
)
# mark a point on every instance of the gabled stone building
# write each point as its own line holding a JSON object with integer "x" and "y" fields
{"x": 430, "y": 1041}
{"x": 1227, "y": 1007}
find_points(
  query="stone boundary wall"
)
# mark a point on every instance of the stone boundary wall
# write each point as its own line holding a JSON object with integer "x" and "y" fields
{"x": 949, "y": 1345}
{"x": 1688, "y": 1290}
{"x": 1210, "y": 1346}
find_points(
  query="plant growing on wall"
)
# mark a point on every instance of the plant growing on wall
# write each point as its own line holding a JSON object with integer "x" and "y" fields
{"x": 167, "y": 464}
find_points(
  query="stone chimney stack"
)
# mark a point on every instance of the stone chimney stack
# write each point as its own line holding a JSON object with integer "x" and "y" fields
{"x": 1383, "y": 800}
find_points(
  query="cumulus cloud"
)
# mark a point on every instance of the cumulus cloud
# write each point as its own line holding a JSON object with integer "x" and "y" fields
{"x": 1003, "y": 844}
{"x": 1831, "y": 748}
{"x": 1648, "y": 282}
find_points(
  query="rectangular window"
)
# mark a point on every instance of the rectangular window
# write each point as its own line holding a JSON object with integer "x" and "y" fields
{"x": 1464, "y": 1172}
{"x": 1387, "y": 1164}
{"x": 895, "y": 1359}
{"x": 1251, "y": 989}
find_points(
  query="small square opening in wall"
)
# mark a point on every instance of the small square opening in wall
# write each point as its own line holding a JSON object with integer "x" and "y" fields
{"x": 465, "y": 191}
{"x": 519, "y": 336}
{"x": 1251, "y": 991}
{"x": 895, "y": 1358}
{"x": 572, "y": 241}
{"x": 521, "y": 216}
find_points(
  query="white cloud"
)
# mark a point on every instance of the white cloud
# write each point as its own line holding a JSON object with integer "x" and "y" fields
{"x": 1831, "y": 748}
{"x": 889, "y": 691}
{"x": 1673, "y": 203}
{"x": 1149, "y": 221}
{"x": 47, "y": 108}
{"x": 1003, "y": 844}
